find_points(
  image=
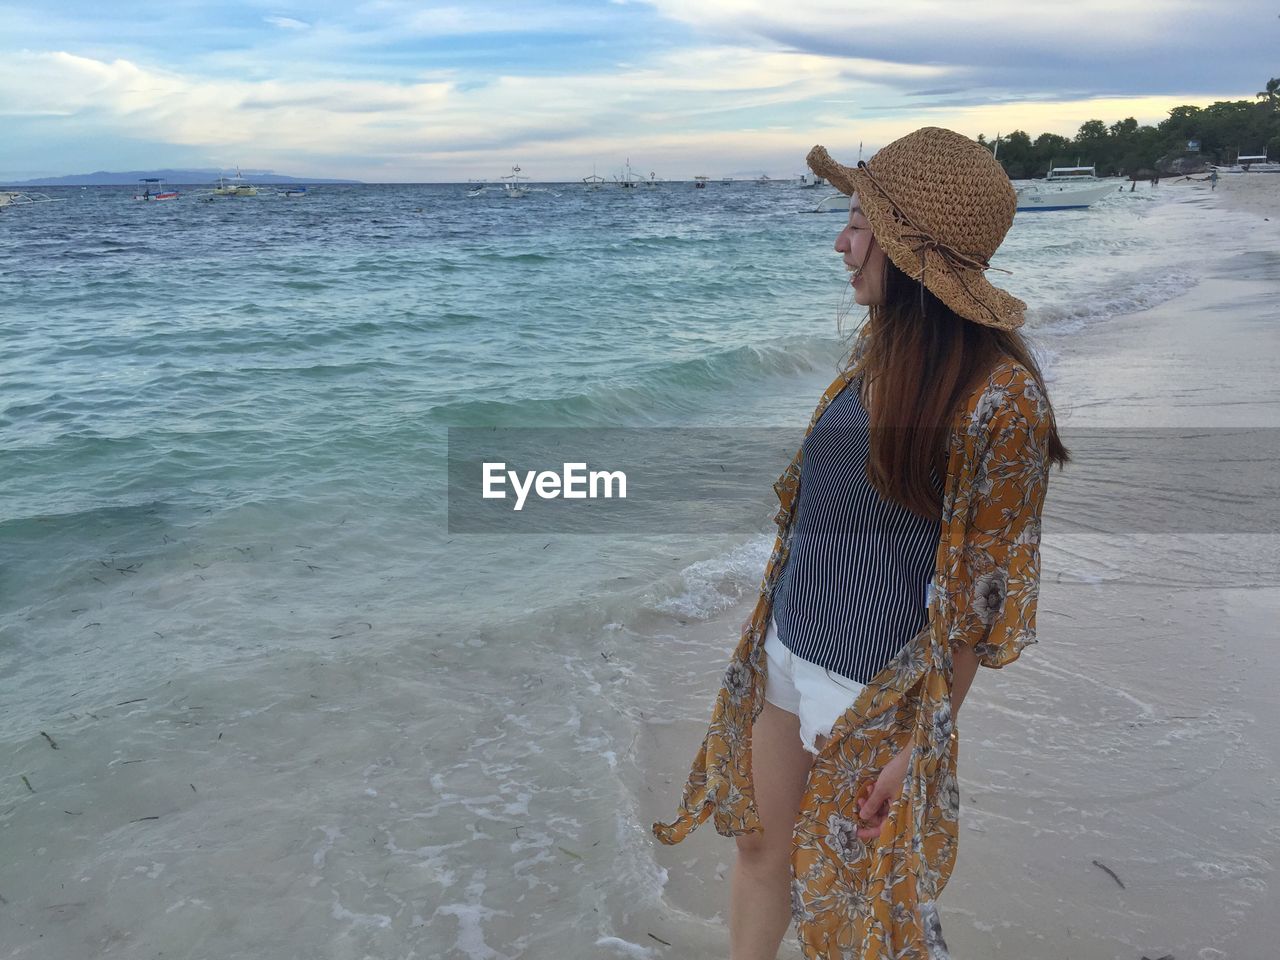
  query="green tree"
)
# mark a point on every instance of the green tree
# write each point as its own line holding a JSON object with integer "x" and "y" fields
{"x": 1124, "y": 128}
{"x": 1053, "y": 143}
{"x": 1223, "y": 130}
{"x": 1272, "y": 93}
{"x": 1091, "y": 130}
{"x": 1050, "y": 149}
{"x": 1094, "y": 146}
{"x": 1181, "y": 123}
{"x": 1017, "y": 155}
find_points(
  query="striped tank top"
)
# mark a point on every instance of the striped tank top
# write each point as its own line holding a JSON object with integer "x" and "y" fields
{"x": 855, "y": 585}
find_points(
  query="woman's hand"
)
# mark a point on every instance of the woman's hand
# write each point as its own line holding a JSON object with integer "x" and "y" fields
{"x": 874, "y": 807}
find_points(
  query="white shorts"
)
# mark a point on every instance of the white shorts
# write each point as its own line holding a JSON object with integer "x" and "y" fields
{"x": 795, "y": 685}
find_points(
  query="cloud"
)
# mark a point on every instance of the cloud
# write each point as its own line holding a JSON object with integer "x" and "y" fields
{"x": 1088, "y": 45}
{"x": 413, "y": 18}
{"x": 389, "y": 89}
{"x": 700, "y": 110}
{"x": 287, "y": 23}
{"x": 698, "y": 91}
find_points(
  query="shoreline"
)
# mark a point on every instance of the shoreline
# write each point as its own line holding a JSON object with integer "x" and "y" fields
{"x": 1257, "y": 193}
{"x": 1103, "y": 756}
{"x": 304, "y": 723}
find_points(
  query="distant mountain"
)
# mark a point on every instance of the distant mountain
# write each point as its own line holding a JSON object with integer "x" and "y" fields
{"x": 189, "y": 177}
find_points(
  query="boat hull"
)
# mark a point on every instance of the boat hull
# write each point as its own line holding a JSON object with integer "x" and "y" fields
{"x": 1045, "y": 198}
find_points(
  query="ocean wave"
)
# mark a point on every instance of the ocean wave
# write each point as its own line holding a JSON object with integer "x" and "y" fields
{"x": 707, "y": 588}
{"x": 649, "y": 391}
{"x": 1129, "y": 294}
{"x": 519, "y": 257}
{"x": 77, "y": 521}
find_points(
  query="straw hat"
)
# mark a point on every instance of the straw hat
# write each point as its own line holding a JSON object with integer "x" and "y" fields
{"x": 939, "y": 205}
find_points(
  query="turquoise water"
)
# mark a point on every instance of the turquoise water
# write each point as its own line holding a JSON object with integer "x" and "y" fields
{"x": 222, "y": 428}
{"x": 191, "y": 384}
{"x": 177, "y": 374}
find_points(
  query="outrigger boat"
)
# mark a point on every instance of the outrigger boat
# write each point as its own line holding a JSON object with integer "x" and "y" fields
{"x": 512, "y": 187}
{"x": 836, "y": 203}
{"x": 627, "y": 180}
{"x": 1065, "y": 188}
{"x": 235, "y": 186}
{"x": 1249, "y": 163}
{"x": 12, "y": 198}
{"x": 158, "y": 192}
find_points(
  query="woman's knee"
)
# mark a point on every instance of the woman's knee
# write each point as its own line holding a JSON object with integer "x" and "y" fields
{"x": 765, "y": 848}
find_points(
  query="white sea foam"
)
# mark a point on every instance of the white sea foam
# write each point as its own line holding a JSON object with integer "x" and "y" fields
{"x": 711, "y": 586}
{"x": 625, "y": 948}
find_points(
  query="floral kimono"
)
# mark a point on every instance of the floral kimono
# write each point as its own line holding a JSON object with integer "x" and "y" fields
{"x": 877, "y": 900}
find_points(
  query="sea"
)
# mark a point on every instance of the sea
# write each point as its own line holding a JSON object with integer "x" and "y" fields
{"x": 257, "y": 699}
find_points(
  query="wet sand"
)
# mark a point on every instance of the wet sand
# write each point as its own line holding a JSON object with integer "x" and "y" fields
{"x": 1121, "y": 781}
{"x": 1251, "y": 192}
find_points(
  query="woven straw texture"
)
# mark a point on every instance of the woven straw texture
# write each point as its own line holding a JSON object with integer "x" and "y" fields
{"x": 938, "y": 204}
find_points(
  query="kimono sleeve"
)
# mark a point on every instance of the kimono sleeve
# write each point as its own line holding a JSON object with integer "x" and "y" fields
{"x": 998, "y": 575}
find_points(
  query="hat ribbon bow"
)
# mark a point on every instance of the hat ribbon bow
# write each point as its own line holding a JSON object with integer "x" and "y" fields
{"x": 922, "y": 242}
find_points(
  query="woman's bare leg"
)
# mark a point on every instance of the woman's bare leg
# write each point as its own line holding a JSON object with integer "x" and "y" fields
{"x": 760, "y": 887}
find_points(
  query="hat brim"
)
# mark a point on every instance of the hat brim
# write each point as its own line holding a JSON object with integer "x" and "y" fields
{"x": 966, "y": 291}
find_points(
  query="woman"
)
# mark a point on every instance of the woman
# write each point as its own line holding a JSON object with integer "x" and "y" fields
{"x": 907, "y": 555}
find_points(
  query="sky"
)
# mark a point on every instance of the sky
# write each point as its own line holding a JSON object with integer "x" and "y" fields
{"x": 399, "y": 91}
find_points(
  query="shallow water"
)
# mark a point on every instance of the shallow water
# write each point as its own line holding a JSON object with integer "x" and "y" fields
{"x": 229, "y": 596}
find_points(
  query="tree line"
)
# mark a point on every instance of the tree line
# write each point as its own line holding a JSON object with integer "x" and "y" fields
{"x": 1127, "y": 148}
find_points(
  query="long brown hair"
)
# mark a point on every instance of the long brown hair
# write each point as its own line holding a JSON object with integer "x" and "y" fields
{"x": 920, "y": 363}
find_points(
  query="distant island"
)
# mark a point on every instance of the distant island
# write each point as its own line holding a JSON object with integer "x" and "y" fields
{"x": 104, "y": 178}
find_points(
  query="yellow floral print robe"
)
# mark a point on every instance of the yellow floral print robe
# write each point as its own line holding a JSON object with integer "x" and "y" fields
{"x": 877, "y": 901}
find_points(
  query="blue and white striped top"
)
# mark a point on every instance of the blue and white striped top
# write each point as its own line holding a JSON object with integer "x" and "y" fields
{"x": 854, "y": 588}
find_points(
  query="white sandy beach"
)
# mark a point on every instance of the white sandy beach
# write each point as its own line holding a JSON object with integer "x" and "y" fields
{"x": 1156, "y": 653}
{"x": 1254, "y": 193}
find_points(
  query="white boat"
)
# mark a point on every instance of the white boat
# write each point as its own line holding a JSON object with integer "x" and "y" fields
{"x": 763, "y": 180}
{"x": 838, "y": 203}
{"x": 652, "y": 182}
{"x": 1248, "y": 163}
{"x": 809, "y": 181}
{"x": 593, "y": 182}
{"x": 512, "y": 187}
{"x": 700, "y": 182}
{"x": 293, "y": 193}
{"x": 235, "y": 186}
{"x": 12, "y": 198}
{"x": 154, "y": 190}
{"x": 1065, "y": 188}
{"x": 627, "y": 180}
{"x": 1073, "y": 174}
{"x": 725, "y": 181}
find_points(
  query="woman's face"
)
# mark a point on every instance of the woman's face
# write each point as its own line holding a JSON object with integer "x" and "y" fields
{"x": 862, "y": 257}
